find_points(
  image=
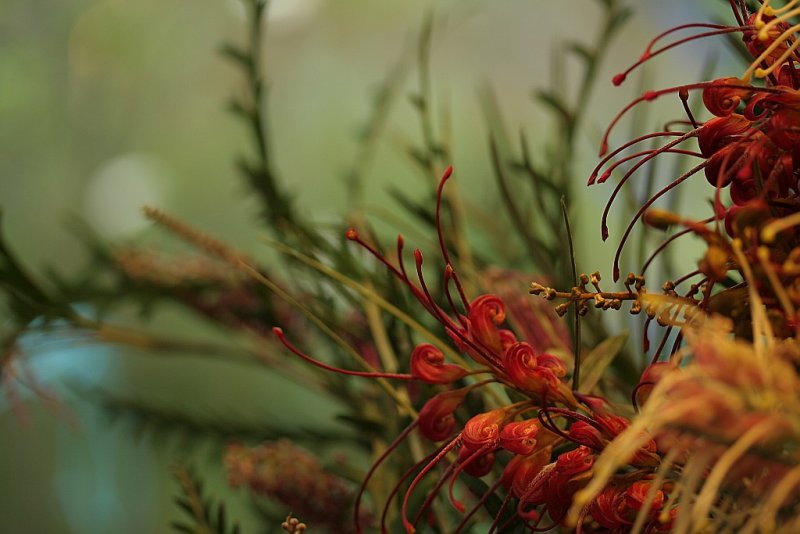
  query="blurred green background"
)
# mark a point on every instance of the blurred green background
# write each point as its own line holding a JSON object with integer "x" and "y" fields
{"x": 109, "y": 105}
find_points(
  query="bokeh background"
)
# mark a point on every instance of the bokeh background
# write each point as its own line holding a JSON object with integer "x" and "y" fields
{"x": 109, "y": 105}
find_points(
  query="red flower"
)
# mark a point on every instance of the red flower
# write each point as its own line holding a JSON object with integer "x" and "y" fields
{"x": 477, "y": 466}
{"x": 436, "y": 420}
{"x": 525, "y": 371}
{"x": 486, "y": 313}
{"x": 483, "y": 430}
{"x": 520, "y": 437}
{"x": 427, "y": 364}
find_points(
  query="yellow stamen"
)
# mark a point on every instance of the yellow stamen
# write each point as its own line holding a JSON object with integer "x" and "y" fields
{"x": 762, "y": 329}
{"x": 777, "y": 286}
{"x": 771, "y": 230}
{"x": 663, "y": 517}
{"x": 770, "y": 11}
{"x": 779, "y": 41}
{"x": 710, "y": 489}
{"x": 764, "y": 10}
{"x": 781, "y": 492}
{"x": 763, "y": 33}
{"x": 655, "y": 485}
{"x": 692, "y": 474}
{"x": 762, "y": 73}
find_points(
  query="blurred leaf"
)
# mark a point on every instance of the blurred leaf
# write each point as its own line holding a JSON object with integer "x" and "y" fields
{"x": 198, "y": 507}
{"x": 555, "y": 103}
{"x": 597, "y": 361}
{"x": 621, "y": 16}
{"x": 581, "y": 51}
{"x": 236, "y": 54}
{"x": 421, "y": 210}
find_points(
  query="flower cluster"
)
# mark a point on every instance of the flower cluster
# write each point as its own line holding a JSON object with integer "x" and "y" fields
{"x": 731, "y": 464}
{"x": 564, "y": 457}
{"x": 294, "y": 477}
{"x": 734, "y": 461}
{"x": 747, "y": 151}
{"x": 538, "y": 439}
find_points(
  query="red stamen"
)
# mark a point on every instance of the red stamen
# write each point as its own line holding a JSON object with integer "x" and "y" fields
{"x": 414, "y": 483}
{"x": 672, "y": 185}
{"x": 401, "y": 274}
{"x": 669, "y": 240}
{"x": 499, "y": 514}
{"x": 652, "y": 152}
{"x": 608, "y": 157}
{"x": 741, "y": 16}
{"x": 448, "y": 275}
{"x": 685, "y": 277}
{"x": 649, "y": 155}
{"x": 447, "y": 173}
{"x": 440, "y": 233}
{"x": 661, "y": 345}
{"x": 459, "y": 468}
{"x": 629, "y": 173}
{"x": 403, "y": 478}
{"x": 488, "y": 493}
{"x": 645, "y": 338}
{"x": 684, "y": 96}
{"x": 373, "y": 468}
{"x": 369, "y": 374}
{"x": 649, "y": 96}
{"x": 434, "y": 492}
{"x": 649, "y": 53}
{"x": 400, "y": 262}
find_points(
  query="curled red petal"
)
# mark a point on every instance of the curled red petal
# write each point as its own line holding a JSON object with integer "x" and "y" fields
{"x": 477, "y": 466}
{"x": 604, "y": 509}
{"x": 483, "y": 430}
{"x": 519, "y": 437}
{"x": 722, "y": 96}
{"x": 553, "y": 363}
{"x": 427, "y": 364}
{"x": 436, "y": 420}
{"x": 523, "y": 370}
{"x": 586, "y": 434}
{"x": 574, "y": 462}
{"x": 486, "y": 313}
{"x": 721, "y": 131}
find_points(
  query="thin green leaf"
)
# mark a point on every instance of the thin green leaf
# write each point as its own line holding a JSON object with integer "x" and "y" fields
{"x": 598, "y": 360}
{"x": 181, "y": 527}
{"x": 581, "y": 51}
{"x": 554, "y": 102}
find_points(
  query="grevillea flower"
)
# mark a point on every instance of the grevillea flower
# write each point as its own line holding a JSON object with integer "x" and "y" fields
{"x": 519, "y": 437}
{"x": 556, "y": 484}
{"x": 427, "y": 364}
{"x": 728, "y": 416}
{"x": 476, "y": 465}
{"x": 534, "y": 319}
{"x": 483, "y": 430}
{"x": 544, "y": 459}
{"x": 436, "y": 419}
{"x": 538, "y": 375}
{"x": 747, "y": 148}
{"x": 293, "y": 477}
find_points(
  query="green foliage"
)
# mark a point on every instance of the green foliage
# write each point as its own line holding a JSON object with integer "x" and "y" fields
{"x": 203, "y": 514}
